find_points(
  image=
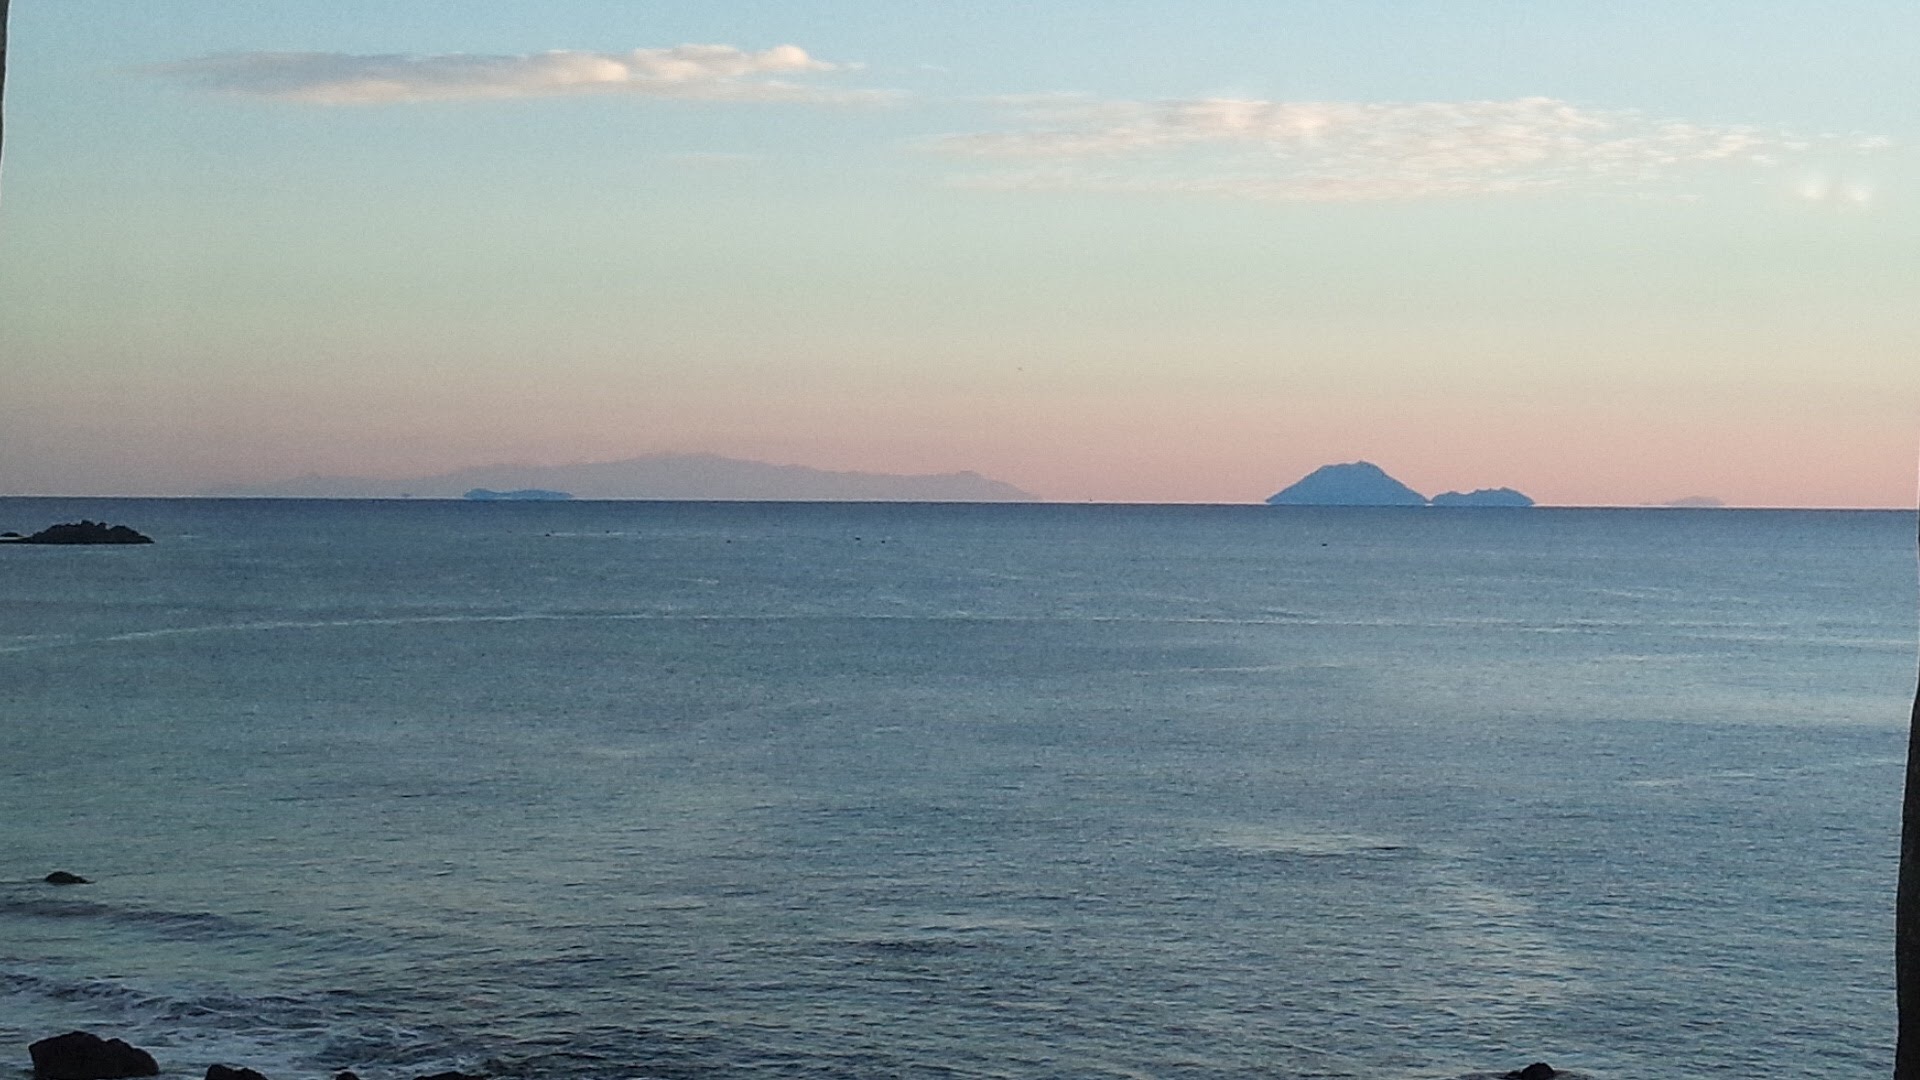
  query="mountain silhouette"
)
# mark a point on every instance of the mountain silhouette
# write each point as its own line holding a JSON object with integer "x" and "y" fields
{"x": 1483, "y": 497}
{"x": 656, "y": 476}
{"x": 1359, "y": 483}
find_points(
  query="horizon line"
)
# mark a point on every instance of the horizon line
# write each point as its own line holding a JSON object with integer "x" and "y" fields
{"x": 1260, "y": 503}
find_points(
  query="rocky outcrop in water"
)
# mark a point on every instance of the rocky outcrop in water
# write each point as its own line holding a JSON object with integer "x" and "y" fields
{"x": 61, "y": 877}
{"x": 82, "y": 532}
{"x": 227, "y": 1072}
{"x": 82, "y": 1055}
{"x": 1539, "y": 1070}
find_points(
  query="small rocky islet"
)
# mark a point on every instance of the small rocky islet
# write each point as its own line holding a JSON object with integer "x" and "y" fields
{"x": 80, "y": 532}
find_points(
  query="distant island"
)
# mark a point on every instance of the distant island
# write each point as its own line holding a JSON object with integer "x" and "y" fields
{"x": 1362, "y": 483}
{"x": 521, "y": 495}
{"x": 656, "y": 476}
{"x": 1503, "y": 496}
{"x": 80, "y": 532}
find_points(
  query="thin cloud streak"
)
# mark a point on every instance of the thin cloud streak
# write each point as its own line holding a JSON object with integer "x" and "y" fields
{"x": 682, "y": 72}
{"x": 1277, "y": 151}
{"x": 1343, "y": 151}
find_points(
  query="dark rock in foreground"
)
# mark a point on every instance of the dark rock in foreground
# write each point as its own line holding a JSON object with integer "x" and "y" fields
{"x": 61, "y": 877}
{"x": 82, "y": 1055}
{"x": 1539, "y": 1070}
{"x": 83, "y": 532}
{"x": 1358, "y": 483}
{"x": 227, "y": 1072}
{"x": 1483, "y": 497}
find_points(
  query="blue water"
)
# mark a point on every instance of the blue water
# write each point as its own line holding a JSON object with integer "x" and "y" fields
{"x": 633, "y": 790}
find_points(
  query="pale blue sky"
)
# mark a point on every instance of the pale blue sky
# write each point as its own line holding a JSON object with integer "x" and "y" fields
{"x": 1111, "y": 251}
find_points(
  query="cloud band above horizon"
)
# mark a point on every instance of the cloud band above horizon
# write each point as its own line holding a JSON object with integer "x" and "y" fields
{"x": 1344, "y": 151}
{"x": 685, "y": 72}
{"x": 1246, "y": 149}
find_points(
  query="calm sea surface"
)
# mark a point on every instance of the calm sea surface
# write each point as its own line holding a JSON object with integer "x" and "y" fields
{"x": 633, "y": 790}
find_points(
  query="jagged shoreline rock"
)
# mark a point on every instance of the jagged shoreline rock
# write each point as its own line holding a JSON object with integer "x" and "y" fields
{"x": 82, "y": 1055}
{"x": 82, "y": 532}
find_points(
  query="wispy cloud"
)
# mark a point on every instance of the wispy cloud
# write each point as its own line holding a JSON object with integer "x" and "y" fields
{"x": 686, "y": 72}
{"x": 1332, "y": 151}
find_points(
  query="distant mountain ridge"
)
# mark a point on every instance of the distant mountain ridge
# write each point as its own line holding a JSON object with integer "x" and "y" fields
{"x": 655, "y": 476}
{"x": 1362, "y": 483}
{"x": 523, "y": 495}
{"x": 1501, "y": 496}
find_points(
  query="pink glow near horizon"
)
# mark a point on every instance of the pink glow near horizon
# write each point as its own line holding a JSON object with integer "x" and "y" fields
{"x": 235, "y": 259}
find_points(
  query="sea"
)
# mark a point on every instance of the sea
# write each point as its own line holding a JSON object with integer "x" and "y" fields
{"x": 633, "y": 790}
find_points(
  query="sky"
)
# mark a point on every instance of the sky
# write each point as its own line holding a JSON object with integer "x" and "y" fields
{"x": 1609, "y": 253}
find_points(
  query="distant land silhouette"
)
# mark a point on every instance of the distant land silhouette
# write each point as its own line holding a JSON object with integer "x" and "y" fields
{"x": 655, "y": 476}
{"x": 1503, "y": 496}
{"x": 80, "y": 532}
{"x": 1359, "y": 483}
{"x": 1362, "y": 483}
{"x": 1697, "y": 502}
{"x": 522, "y": 495}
